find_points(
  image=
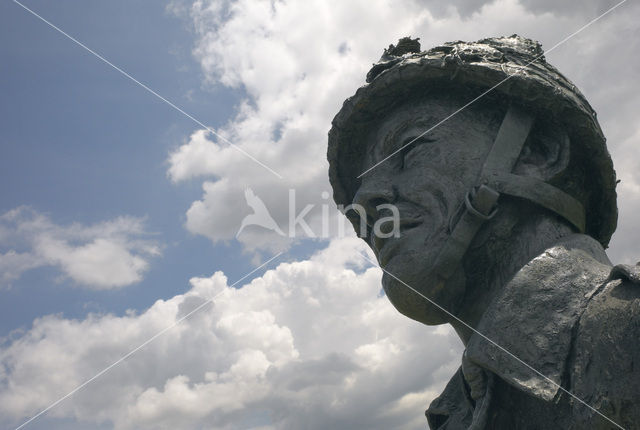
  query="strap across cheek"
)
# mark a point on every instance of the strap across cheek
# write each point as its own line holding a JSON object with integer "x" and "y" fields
{"x": 496, "y": 177}
{"x": 501, "y": 160}
{"x": 541, "y": 193}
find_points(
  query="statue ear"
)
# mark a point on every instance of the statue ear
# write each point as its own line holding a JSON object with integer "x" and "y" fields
{"x": 545, "y": 153}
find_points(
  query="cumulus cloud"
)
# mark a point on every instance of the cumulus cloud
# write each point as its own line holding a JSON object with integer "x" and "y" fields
{"x": 297, "y": 61}
{"x": 109, "y": 254}
{"x": 464, "y": 8}
{"x": 599, "y": 63}
{"x": 584, "y": 7}
{"x": 310, "y": 344}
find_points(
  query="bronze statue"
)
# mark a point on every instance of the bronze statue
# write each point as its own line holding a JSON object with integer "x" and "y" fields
{"x": 506, "y": 198}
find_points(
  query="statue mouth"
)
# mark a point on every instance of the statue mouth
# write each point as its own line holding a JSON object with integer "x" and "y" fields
{"x": 385, "y": 247}
{"x": 429, "y": 214}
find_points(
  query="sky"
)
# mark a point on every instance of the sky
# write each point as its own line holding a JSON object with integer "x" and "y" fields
{"x": 120, "y": 211}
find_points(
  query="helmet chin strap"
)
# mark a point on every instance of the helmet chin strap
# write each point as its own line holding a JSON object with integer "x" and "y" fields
{"x": 496, "y": 178}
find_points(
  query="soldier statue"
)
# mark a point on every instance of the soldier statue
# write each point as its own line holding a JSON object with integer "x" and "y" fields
{"x": 506, "y": 198}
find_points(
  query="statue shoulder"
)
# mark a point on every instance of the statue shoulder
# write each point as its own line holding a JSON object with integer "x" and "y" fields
{"x": 613, "y": 313}
{"x": 616, "y": 304}
{"x": 626, "y": 273}
{"x": 605, "y": 368}
{"x": 619, "y": 293}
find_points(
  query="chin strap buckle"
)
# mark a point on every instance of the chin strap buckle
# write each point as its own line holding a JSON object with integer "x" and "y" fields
{"x": 480, "y": 205}
{"x": 482, "y": 202}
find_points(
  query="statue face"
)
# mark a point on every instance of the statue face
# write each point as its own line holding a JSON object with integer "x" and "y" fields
{"x": 427, "y": 182}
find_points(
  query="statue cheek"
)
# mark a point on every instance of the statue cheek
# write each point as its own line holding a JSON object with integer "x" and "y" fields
{"x": 425, "y": 156}
{"x": 435, "y": 155}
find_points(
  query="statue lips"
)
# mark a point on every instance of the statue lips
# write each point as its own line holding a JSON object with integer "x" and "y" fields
{"x": 385, "y": 246}
{"x": 412, "y": 215}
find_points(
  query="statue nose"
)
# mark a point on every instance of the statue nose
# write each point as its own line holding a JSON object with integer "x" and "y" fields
{"x": 372, "y": 194}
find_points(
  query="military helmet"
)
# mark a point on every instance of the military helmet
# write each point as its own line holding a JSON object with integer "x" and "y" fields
{"x": 513, "y": 68}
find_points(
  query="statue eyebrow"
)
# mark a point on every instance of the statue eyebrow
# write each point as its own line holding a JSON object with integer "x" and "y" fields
{"x": 399, "y": 137}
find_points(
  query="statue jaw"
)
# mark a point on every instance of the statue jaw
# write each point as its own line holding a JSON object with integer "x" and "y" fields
{"x": 441, "y": 295}
{"x": 410, "y": 278}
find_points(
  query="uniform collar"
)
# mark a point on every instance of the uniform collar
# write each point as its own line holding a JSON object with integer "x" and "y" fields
{"x": 535, "y": 314}
{"x": 533, "y": 318}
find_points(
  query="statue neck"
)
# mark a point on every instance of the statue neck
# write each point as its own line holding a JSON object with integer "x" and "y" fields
{"x": 497, "y": 253}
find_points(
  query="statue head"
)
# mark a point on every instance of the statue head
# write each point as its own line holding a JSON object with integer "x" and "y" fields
{"x": 468, "y": 141}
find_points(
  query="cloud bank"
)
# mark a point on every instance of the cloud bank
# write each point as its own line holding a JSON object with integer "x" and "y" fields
{"x": 109, "y": 254}
{"x": 297, "y": 61}
{"x": 310, "y": 344}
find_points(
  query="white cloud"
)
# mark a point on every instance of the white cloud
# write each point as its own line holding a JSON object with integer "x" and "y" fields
{"x": 198, "y": 157}
{"x": 110, "y": 254}
{"x": 311, "y": 344}
{"x": 13, "y": 264}
{"x": 598, "y": 63}
{"x": 587, "y": 8}
{"x": 296, "y": 67}
{"x": 297, "y": 61}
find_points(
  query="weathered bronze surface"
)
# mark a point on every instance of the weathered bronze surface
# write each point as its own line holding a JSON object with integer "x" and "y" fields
{"x": 506, "y": 208}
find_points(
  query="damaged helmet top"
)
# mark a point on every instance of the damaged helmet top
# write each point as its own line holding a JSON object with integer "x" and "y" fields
{"x": 509, "y": 69}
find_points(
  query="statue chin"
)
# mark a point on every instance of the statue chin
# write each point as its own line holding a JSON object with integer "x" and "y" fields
{"x": 411, "y": 267}
{"x": 447, "y": 295}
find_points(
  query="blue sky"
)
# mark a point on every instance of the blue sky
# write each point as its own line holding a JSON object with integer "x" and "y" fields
{"x": 82, "y": 143}
{"x": 119, "y": 214}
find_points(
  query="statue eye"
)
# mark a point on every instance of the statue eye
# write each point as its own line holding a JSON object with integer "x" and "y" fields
{"x": 410, "y": 146}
